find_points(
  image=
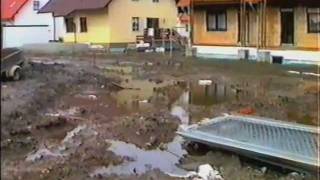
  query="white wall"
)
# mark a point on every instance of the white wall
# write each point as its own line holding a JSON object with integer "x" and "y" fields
{"x": 229, "y": 52}
{"x": 19, "y": 36}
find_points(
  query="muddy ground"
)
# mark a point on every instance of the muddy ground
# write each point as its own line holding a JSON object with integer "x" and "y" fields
{"x": 115, "y": 117}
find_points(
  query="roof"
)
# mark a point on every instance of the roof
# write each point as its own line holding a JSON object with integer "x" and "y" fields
{"x": 9, "y": 8}
{"x": 65, "y": 7}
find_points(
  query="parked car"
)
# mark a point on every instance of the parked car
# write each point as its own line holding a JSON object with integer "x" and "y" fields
{"x": 12, "y": 61}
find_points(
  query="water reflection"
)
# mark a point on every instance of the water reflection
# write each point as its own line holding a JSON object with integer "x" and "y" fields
{"x": 207, "y": 95}
{"x": 141, "y": 161}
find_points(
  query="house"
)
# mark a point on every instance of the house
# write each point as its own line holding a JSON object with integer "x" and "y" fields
{"x": 111, "y": 22}
{"x": 21, "y": 23}
{"x": 289, "y": 29}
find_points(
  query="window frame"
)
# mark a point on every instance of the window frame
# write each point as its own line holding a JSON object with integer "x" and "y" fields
{"x": 216, "y": 14}
{"x": 308, "y": 20}
{"x": 85, "y": 29}
{"x": 71, "y": 29}
{"x": 132, "y": 25}
{"x": 36, "y": 5}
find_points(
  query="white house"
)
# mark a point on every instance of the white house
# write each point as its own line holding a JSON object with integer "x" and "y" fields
{"x": 22, "y": 24}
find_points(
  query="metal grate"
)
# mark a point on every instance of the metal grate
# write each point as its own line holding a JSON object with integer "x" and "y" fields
{"x": 288, "y": 141}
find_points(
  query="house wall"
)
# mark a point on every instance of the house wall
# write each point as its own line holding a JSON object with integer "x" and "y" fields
{"x": 19, "y": 36}
{"x": 28, "y": 16}
{"x": 202, "y": 36}
{"x": 98, "y": 28}
{"x": 28, "y": 26}
{"x": 273, "y": 27}
{"x": 302, "y": 39}
{"x": 114, "y": 23}
{"x": 121, "y": 13}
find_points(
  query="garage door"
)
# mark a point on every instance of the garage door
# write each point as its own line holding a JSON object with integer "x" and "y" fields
{"x": 18, "y": 35}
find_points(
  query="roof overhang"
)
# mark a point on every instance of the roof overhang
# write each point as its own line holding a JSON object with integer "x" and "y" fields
{"x": 10, "y": 8}
{"x": 67, "y": 7}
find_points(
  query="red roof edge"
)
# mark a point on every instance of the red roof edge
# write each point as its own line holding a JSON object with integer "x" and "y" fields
{"x": 9, "y": 14}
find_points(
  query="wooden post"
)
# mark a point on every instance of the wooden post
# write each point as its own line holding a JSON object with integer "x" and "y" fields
{"x": 240, "y": 24}
{"x": 258, "y": 25}
{"x": 163, "y": 43}
{"x": 170, "y": 37}
{"x": 265, "y": 23}
{"x": 245, "y": 23}
{"x": 74, "y": 32}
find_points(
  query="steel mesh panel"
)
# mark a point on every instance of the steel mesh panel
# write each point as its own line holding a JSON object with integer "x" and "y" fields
{"x": 279, "y": 138}
{"x": 264, "y": 136}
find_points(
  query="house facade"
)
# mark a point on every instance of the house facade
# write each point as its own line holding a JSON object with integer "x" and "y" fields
{"x": 112, "y": 21}
{"x": 22, "y": 24}
{"x": 290, "y": 27}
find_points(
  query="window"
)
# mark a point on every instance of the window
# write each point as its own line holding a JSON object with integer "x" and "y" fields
{"x": 70, "y": 26}
{"x": 83, "y": 24}
{"x": 135, "y": 24}
{"x": 36, "y": 5}
{"x": 155, "y": 1}
{"x": 217, "y": 21}
{"x": 313, "y": 16}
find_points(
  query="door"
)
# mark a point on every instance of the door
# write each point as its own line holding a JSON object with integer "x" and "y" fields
{"x": 153, "y": 23}
{"x": 287, "y": 26}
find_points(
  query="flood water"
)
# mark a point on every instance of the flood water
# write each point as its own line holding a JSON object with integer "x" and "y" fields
{"x": 141, "y": 161}
{"x": 138, "y": 94}
{"x": 138, "y": 90}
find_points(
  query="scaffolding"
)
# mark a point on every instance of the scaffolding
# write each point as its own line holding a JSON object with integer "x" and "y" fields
{"x": 259, "y": 6}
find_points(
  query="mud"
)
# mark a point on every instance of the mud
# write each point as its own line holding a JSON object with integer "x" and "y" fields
{"x": 70, "y": 118}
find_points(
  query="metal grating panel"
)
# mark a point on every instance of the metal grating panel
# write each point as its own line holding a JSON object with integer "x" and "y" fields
{"x": 289, "y": 141}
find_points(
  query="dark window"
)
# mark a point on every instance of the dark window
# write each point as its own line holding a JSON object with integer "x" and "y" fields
{"x": 70, "y": 26}
{"x": 217, "y": 21}
{"x": 36, "y": 5}
{"x": 155, "y": 1}
{"x": 83, "y": 24}
{"x": 313, "y": 15}
{"x": 135, "y": 24}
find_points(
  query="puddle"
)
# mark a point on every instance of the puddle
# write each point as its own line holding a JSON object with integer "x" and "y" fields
{"x": 142, "y": 161}
{"x": 139, "y": 90}
{"x": 207, "y": 95}
{"x": 67, "y": 146}
{"x": 43, "y": 153}
{"x": 180, "y": 108}
{"x": 138, "y": 93}
{"x": 119, "y": 69}
{"x": 69, "y": 112}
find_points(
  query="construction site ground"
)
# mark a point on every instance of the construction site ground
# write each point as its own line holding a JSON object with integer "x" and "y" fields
{"x": 115, "y": 116}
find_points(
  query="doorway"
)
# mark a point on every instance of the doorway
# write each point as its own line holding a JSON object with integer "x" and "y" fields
{"x": 153, "y": 23}
{"x": 287, "y": 26}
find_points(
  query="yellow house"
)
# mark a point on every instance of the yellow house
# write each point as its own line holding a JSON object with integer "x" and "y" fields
{"x": 273, "y": 24}
{"x": 111, "y": 21}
